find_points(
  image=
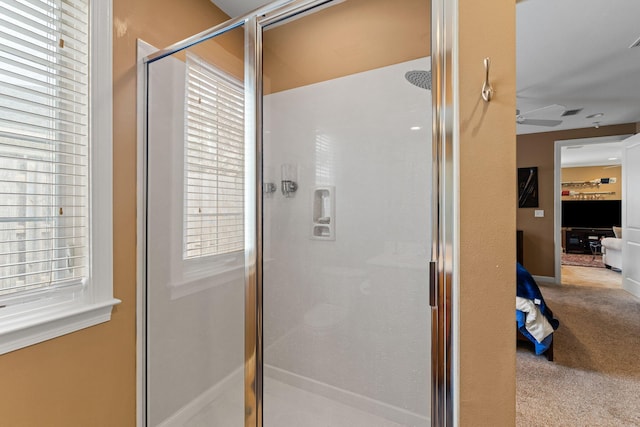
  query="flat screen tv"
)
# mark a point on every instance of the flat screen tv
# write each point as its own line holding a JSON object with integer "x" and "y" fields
{"x": 591, "y": 213}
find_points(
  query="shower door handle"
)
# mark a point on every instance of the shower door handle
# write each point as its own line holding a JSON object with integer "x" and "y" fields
{"x": 433, "y": 284}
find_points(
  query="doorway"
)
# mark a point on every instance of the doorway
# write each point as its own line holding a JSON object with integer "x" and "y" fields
{"x": 588, "y": 204}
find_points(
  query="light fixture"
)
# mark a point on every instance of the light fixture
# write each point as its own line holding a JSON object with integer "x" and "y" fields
{"x": 612, "y": 158}
{"x": 415, "y": 128}
{"x": 595, "y": 116}
{"x": 596, "y": 125}
{"x": 289, "y": 179}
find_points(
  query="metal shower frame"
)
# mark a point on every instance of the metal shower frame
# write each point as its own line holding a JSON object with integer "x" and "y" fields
{"x": 443, "y": 201}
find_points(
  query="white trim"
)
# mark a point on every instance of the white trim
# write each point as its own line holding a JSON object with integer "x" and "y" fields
{"x": 101, "y": 147}
{"x": 60, "y": 313}
{"x": 557, "y": 191}
{"x": 143, "y": 49}
{"x": 557, "y": 212}
{"x": 631, "y": 286}
{"x": 52, "y": 323}
{"x": 630, "y": 229}
{"x": 209, "y": 279}
{"x": 545, "y": 279}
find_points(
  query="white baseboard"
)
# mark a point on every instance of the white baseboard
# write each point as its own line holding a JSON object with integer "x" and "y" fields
{"x": 546, "y": 279}
{"x": 363, "y": 403}
{"x": 191, "y": 409}
{"x": 631, "y": 286}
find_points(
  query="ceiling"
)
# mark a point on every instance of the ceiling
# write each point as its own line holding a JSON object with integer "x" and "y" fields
{"x": 607, "y": 153}
{"x": 235, "y": 8}
{"x": 571, "y": 54}
{"x": 576, "y": 53}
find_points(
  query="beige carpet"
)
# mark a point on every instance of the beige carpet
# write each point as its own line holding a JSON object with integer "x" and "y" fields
{"x": 595, "y": 377}
{"x": 593, "y": 277}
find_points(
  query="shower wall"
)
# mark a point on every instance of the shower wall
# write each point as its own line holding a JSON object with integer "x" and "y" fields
{"x": 346, "y": 317}
{"x": 351, "y": 315}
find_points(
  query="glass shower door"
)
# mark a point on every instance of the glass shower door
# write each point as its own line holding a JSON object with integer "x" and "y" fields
{"x": 305, "y": 303}
{"x": 195, "y": 235}
{"x": 346, "y": 205}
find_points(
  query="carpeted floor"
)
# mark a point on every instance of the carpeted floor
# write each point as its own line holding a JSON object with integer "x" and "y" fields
{"x": 591, "y": 277}
{"x": 582, "y": 260}
{"x": 595, "y": 377}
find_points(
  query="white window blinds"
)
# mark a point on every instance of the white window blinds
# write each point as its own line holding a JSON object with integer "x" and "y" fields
{"x": 214, "y": 162}
{"x": 44, "y": 87}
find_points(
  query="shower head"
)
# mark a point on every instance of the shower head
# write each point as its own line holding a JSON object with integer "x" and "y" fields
{"x": 419, "y": 78}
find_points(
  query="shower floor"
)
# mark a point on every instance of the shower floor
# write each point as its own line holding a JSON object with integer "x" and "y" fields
{"x": 285, "y": 406}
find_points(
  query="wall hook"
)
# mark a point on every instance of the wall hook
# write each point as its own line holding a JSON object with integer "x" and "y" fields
{"x": 487, "y": 90}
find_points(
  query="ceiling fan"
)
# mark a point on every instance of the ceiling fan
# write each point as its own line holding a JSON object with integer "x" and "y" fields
{"x": 521, "y": 118}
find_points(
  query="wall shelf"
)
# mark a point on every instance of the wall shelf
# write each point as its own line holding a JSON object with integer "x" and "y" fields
{"x": 588, "y": 195}
{"x": 582, "y": 184}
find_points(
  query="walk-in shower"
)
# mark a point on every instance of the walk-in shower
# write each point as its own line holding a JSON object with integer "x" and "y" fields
{"x": 269, "y": 303}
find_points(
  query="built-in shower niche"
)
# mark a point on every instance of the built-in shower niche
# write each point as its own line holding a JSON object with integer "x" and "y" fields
{"x": 323, "y": 213}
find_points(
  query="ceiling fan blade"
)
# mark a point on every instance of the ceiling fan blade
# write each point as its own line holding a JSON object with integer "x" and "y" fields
{"x": 561, "y": 107}
{"x": 539, "y": 122}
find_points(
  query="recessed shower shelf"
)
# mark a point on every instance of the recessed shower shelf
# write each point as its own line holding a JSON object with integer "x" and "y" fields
{"x": 323, "y": 213}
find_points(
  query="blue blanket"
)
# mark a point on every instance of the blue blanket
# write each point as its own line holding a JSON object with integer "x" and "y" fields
{"x": 528, "y": 288}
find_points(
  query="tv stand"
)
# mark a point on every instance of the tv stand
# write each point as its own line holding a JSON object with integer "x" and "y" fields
{"x": 577, "y": 240}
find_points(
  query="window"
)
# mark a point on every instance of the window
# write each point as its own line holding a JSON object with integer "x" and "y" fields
{"x": 55, "y": 262}
{"x": 214, "y": 162}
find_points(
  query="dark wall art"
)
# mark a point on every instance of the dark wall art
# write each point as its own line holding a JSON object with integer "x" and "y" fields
{"x": 528, "y": 187}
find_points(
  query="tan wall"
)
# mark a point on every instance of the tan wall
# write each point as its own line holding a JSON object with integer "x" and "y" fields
{"x": 88, "y": 378}
{"x": 538, "y": 150}
{"x": 487, "y": 215}
{"x": 590, "y": 173}
{"x": 348, "y": 38}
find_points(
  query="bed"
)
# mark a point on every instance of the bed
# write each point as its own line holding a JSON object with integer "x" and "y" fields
{"x": 534, "y": 319}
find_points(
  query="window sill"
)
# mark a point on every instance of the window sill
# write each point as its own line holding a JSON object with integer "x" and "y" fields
{"x": 37, "y": 324}
{"x": 203, "y": 281}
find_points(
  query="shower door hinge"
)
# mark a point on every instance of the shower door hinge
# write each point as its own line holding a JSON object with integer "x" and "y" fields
{"x": 433, "y": 284}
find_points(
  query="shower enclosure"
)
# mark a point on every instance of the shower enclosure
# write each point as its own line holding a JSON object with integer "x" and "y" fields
{"x": 288, "y": 176}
